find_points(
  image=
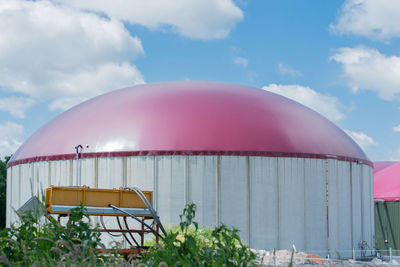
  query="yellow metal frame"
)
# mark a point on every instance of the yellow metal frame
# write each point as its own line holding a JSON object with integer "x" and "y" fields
{"x": 94, "y": 197}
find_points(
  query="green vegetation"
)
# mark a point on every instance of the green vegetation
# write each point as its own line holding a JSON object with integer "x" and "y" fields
{"x": 3, "y": 190}
{"x": 36, "y": 241}
{"x": 187, "y": 246}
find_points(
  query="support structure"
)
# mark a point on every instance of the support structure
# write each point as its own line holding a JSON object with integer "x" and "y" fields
{"x": 120, "y": 203}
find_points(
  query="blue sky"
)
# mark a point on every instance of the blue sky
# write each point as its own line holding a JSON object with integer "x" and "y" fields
{"x": 340, "y": 58}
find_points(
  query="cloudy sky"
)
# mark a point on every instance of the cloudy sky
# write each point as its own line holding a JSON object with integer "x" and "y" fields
{"x": 341, "y": 58}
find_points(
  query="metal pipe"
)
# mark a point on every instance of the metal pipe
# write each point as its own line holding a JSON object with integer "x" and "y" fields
{"x": 126, "y": 238}
{"x": 130, "y": 234}
{"x": 149, "y": 206}
{"x": 137, "y": 219}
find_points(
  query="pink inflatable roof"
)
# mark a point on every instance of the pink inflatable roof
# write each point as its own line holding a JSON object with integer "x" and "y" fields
{"x": 387, "y": 181}
{"x": 380, "y": 165}
{"x": 190, "y": 118}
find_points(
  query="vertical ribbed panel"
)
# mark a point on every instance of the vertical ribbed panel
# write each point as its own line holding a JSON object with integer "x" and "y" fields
{"x": 263, "y": 202}
{"x": 234, "y": 194}
{"x": 334, "y": 226}
{"x": 344, "y": 207}
{"x": 140, "y": 172}
{"x": 88, "y": 172}
{"x": 171, "y": 175}
{"x": 41, "y": 174}
{"x": 371, "y": 241}
{"x": 202, "y": 188}
{"x": 25, "y": 188}
{"x": 315, "y": 204}
{"x": 291, "y": 203}
{"x": 61, "y": 172}
{"x": 367, "y": 200}
{"x": 110, "y": 173}
{"x": 356, "y": 171}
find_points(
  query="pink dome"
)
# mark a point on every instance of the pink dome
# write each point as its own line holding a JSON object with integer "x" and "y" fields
{"x": 387, "y": 181}
{"x": 380, "y": 165}
{"x": 190, "y": 118}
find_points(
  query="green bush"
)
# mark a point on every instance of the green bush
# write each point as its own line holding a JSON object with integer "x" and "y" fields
{"x": 35, "y": 242}
{"x": 190, "y": 246}
{"x": 50, "y": 244}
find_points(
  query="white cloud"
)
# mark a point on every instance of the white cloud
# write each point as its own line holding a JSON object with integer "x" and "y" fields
{"x": 241, "y": 61}
{"x": 368, "y": 69}
{"x": 16, "y": 106}
{"x": 375, "y": 19}
{"x": 363, "y": 140}
{"x": 199, "y": 19}
{"x": 287, "y": 70}
{"x": 326, "y": 105}
{"x": 100, "y": 80}
{"x": 51, "y": 52}
{"x": 10, "y": 135}
{"x": 396, "y": 128}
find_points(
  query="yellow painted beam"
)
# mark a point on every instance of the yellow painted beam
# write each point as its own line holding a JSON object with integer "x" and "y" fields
{"x": 94, "y": 197}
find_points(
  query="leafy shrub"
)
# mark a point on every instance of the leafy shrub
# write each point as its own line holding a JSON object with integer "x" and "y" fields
{"x": 190, "y": 246}
{"x": 50, "y": 244}
{"x": 34, "y": 243}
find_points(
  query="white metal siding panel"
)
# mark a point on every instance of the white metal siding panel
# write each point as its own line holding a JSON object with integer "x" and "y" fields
{"x": 171, "y": 175}
{"x": 233, "y": 194}
{"x": 88, "y": 172}
{"x": 140, "y": 172}
{"x": 263, "y": 202}
{"x": 110, "y": 174}
{"x": 41, "y": 177}
{"x": 367, "y": 200}
{"x": 371, "y": 242}
{"x": 202, "y": 188}
{"x": 261, "y": 196}
{"x": 343, "y": 201}
{"x": 333, "y": 206}
{"x": 163, "y": 183}
{"x": 26, "y": 184}
{"x": 356, "y": 203}
{"x": 315, "y": 205}
{"x": 61, "y": 172}
{"x": 179, "y": 178}
{"x": 291, "y": 203}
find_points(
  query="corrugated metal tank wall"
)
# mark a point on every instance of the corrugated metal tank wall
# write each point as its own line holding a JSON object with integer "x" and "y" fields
{"x": 316, "y": 204}
{"x": 387, "y": 221}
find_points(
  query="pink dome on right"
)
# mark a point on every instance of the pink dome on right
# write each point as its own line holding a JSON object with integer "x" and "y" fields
{"x": 387, "y": 180}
